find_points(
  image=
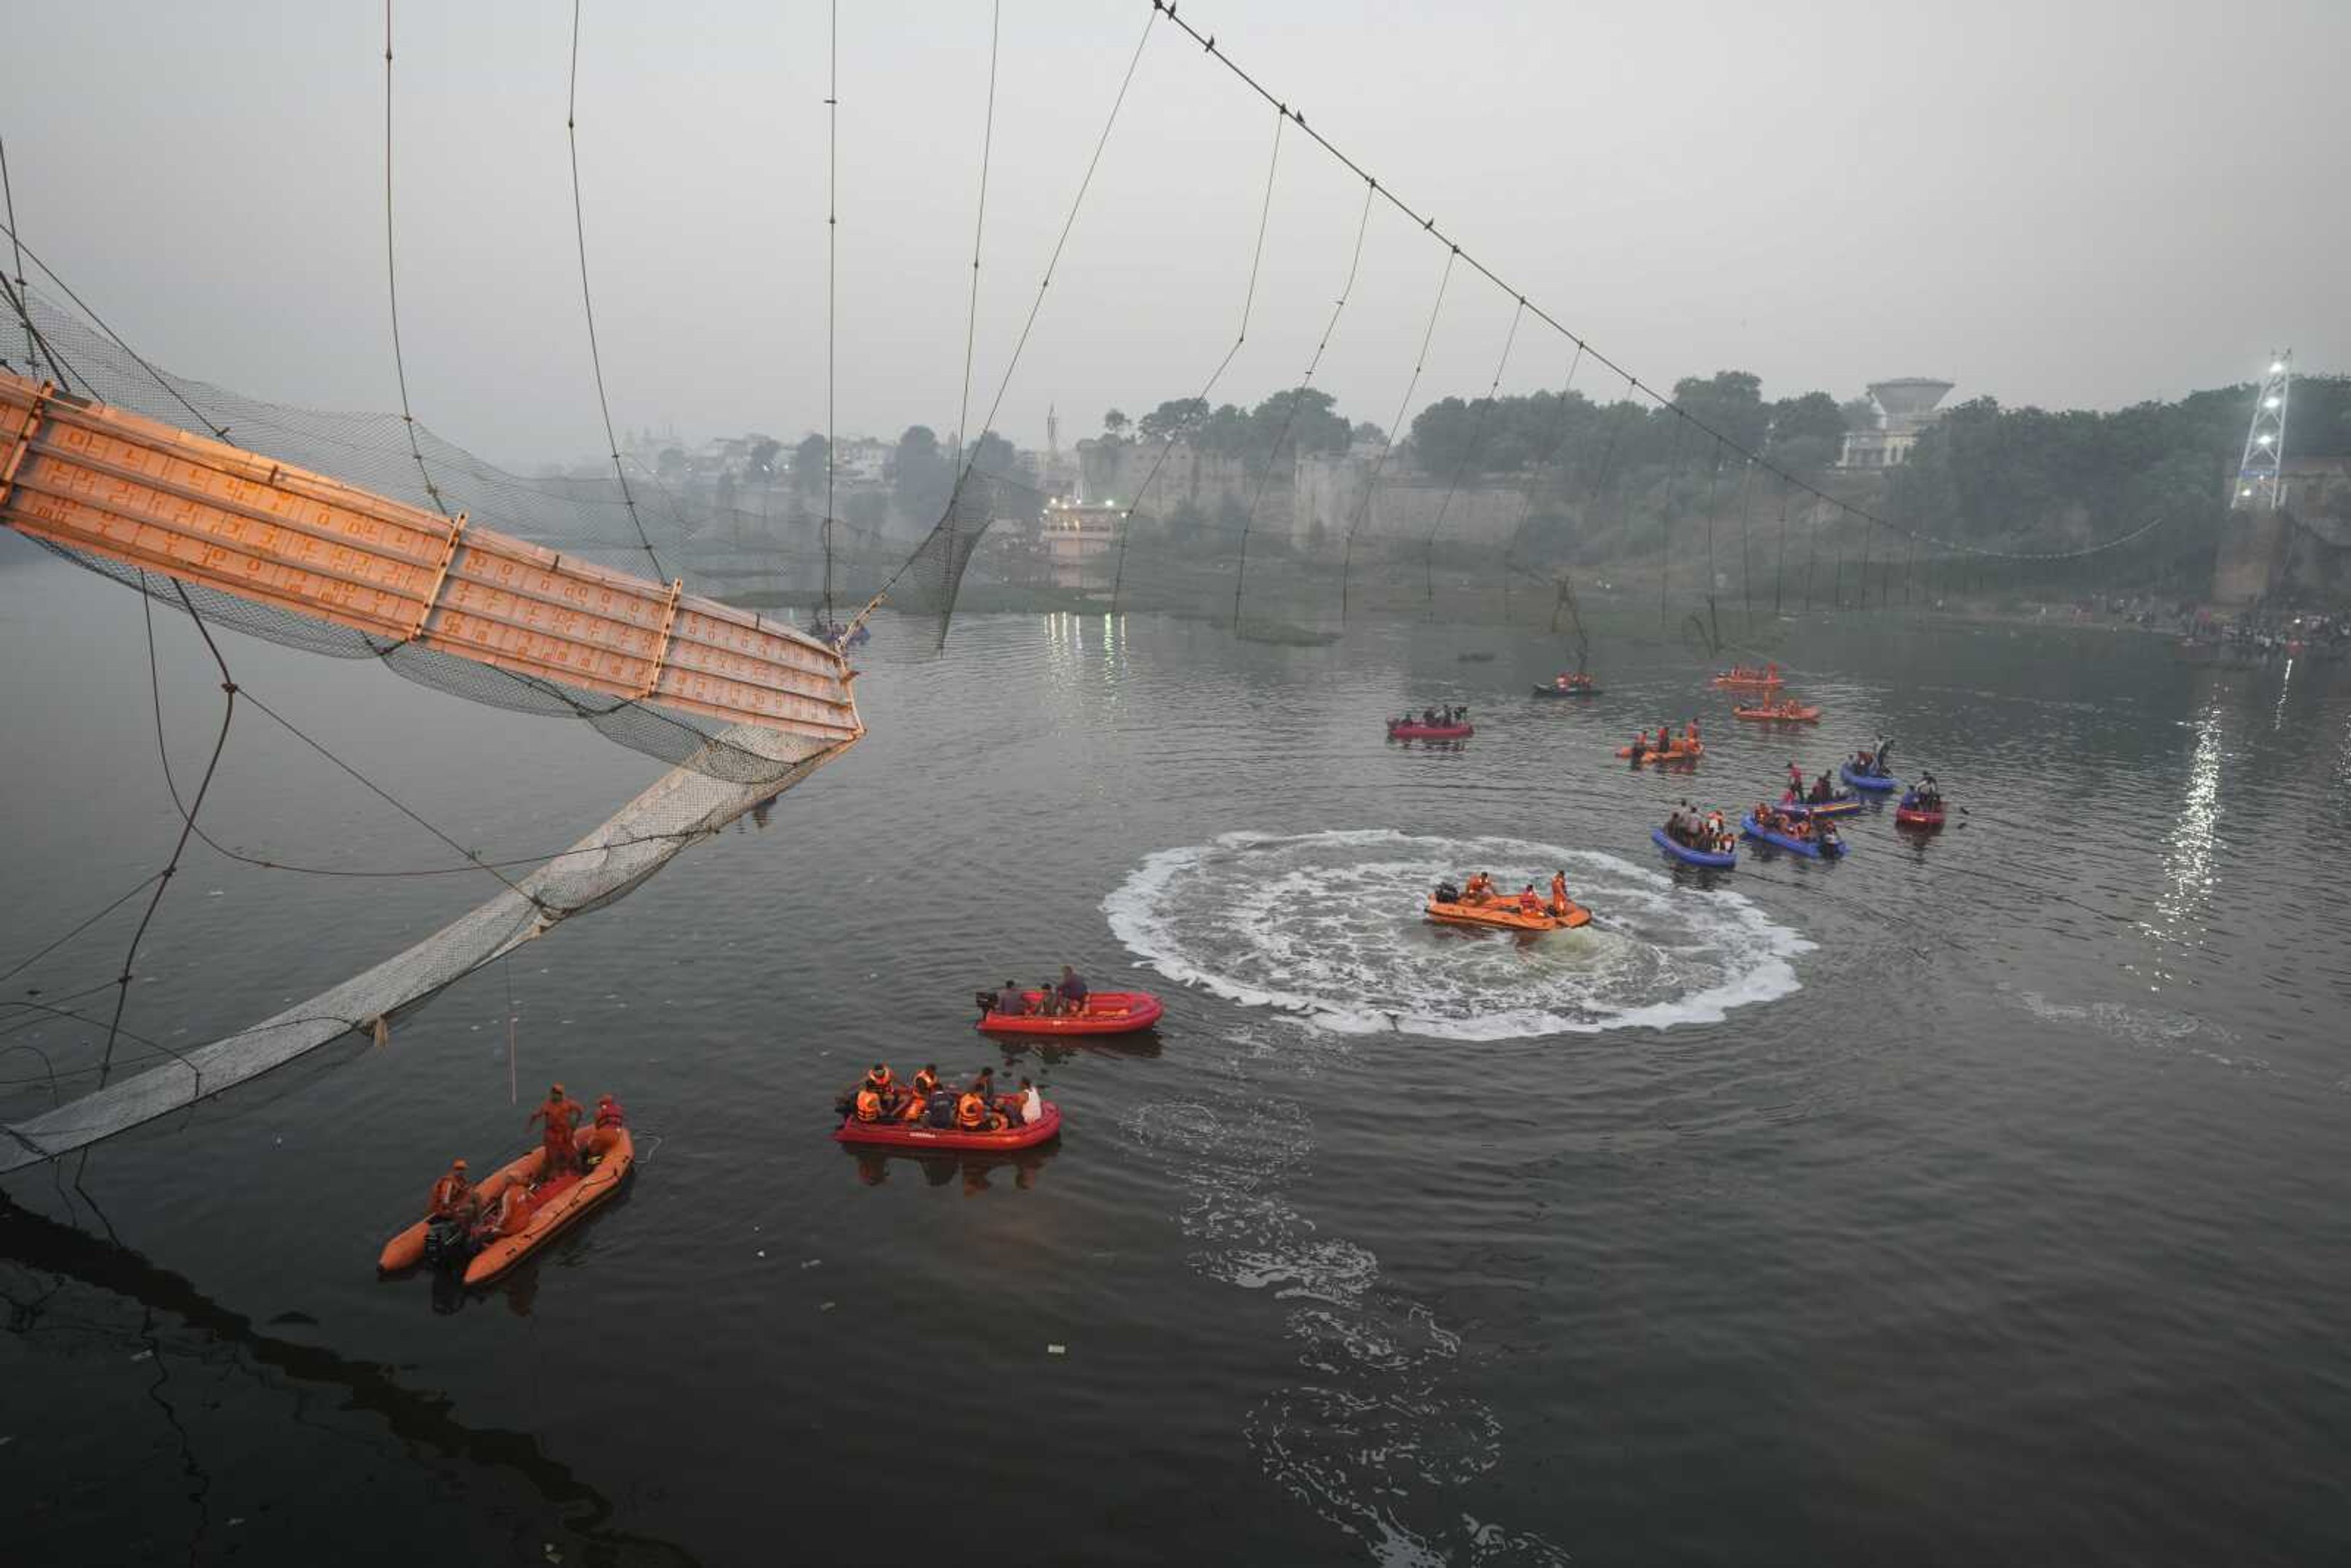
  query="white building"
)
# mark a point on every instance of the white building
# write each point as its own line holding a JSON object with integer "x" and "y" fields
{"x": 1906, "y": 408}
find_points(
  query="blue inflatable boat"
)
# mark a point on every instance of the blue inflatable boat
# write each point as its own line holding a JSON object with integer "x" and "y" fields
{"x": 1689, "y": 856}
{"x": 1877, "y": 783}
{"x": 1843, "y": 805}
{"x": 1813, "y": 849}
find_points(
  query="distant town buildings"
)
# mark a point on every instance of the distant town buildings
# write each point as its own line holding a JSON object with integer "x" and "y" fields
{"x": 1905, "y": 407}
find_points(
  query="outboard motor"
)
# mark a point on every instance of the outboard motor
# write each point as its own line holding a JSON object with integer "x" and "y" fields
{"x": 986, "y": 1000}
{"x": 1447, "y": 893}
{"x": 448, "y": 1243}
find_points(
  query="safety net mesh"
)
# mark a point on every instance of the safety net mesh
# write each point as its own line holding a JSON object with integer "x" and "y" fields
{"x": 720, "y": 771}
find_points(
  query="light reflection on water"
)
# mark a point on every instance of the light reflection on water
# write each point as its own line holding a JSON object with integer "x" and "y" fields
{"x": 2189, "y": 853}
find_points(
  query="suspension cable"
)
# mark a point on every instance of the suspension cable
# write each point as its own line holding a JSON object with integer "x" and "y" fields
{"x": 1347, "y": 552}
{"x": 391, "y": 280}
{"x": 831, "y": 272}
{"x": 1020, "y": 344}
{"x": 1477, "y": 436}
{"x": 1427, "y": 225}
{"x": 588, "y": 300}
{"x": 1289, "y": 418}
{"x": 1200, "y": 404}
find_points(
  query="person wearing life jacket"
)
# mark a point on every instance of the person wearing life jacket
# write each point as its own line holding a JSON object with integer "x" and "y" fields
{"x": 452, "y": 1196}
{"x": 1478, "y": 889}
{"x": 610, "y": 1114}
{"x": 868, "y": 1102}
{"x": 1528, "y": 903}
{"x": 926, "y": 1080}
{"x": 1559, "y": 893}
{"x": 1795, "y": 779}
{"x": 560, "y": 1113}
{"x": 971, "y": 1111}
{"x": 878, "y": 1079}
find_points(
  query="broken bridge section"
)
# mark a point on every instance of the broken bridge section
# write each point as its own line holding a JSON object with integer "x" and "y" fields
{"x": 97, "y": 481}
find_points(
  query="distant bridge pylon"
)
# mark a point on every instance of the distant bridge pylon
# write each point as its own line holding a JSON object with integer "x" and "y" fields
{"x": 2257, "y": 474}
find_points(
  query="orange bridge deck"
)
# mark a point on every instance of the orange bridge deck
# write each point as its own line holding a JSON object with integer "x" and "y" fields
{"x": 95, "y": 479}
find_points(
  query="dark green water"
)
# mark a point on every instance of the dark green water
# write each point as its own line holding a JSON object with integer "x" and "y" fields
{"x": 1973, "y": 1199}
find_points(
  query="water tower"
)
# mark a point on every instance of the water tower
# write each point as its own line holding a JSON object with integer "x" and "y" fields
{"x": 1905, "y": 407}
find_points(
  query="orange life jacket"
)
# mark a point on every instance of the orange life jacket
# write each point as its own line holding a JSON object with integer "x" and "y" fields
{"x": 879, "y": 1082}
{"x": 971, "y": 1110}
{"x": 926, "y": 1082}
{"x": 450, "y": 1193}
{"x": 869, "y": 1105}
{"x": 610, "y": 1115}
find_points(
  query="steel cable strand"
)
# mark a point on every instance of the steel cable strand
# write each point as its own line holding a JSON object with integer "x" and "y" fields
{"x": 1780, "y": 571}
{"x": 946, "y": 524}
{"x": 1746, "y": 544}
{"x": 1176, "y": 432}
{"x": 832, "y": 263}
{"x": 35, "y": 347}
{"x": 1429, "y": 225}
{"x": 26, "y": 963}
{"x": 588, "y": 300}
{"x": 160, "y": 380}
{"x": 1290, "y": 419}
{"x": 187, "y": 830}
{"x": 392, "y": 281}
{"x": 1469, "y": 455}
{"x": 1428, "y": 334}
{"x": 1535, "y": 477}
{"x": 187, "y": 815}
{"x": 1665, "y": 514}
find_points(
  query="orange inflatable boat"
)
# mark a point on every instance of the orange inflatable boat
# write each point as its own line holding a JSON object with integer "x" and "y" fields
{"x": 1679, "y": 751}
{"x": 1504, "y": 915}
{"x": 1784, "y": 712}
{"x": 606, "y": 1153}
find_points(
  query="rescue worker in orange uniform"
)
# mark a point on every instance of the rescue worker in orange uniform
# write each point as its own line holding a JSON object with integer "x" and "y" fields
{"x": 609, "y": 1112}
{"x": 1478, "y": 889}
{"x": 453, "y": 1194}
{"x": 1559, "y": 893}
{"x": 561, "y": 1113}
{"x": 1528, "y": 903}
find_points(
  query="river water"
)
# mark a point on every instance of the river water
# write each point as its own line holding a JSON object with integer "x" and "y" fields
{"x": 1977, "y": 1198}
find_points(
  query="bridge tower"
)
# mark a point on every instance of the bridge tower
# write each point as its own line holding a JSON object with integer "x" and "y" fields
{"x": 2257, "y": 474}
{"x": 2252, "y": 558}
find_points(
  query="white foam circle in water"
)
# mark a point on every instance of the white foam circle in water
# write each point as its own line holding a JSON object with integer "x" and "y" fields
{"x": 1331, "y": 926}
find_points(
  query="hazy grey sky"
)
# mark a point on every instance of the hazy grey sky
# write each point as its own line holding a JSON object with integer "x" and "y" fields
{"x": 2063, "y": 201}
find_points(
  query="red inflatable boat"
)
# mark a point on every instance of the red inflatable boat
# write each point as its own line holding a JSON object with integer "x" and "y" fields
{"x": 1430, "y": 731}
{"x": 912, "y": 1135}
{"x": 1107, "y": 1012}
